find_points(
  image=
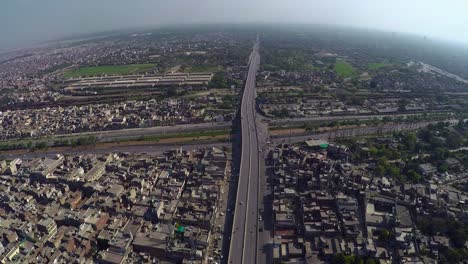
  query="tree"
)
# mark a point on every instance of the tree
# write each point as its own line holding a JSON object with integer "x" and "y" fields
{"x": 380, "y": 170}
{"x": 41, "y": 145}
{"x": 384, "y": 235}
{"x": 371, "y": 261}
{"x": 454, "y": 140}
{"x": 402, "y": 105}
{"x": 409, "y": 141}
{"x": 452, "y": 255}
{"x": 351, "y": 259}
{"x": 228, "y": 102}
{"x": 461, "y": 124}
{"x": 84, "y": 141}
{"x": 414, "y": 176}
{"x": 458, "y": 237}
{"x": 373, "y": 151}
{"x": 171, "y": 91}
{"x": 219, "y": 81}
{"x": 393, "y": 171}
{"x": 4, "y": 100}
{"x": 283, "y": 113}
{"x": 439, "y": 154}
{"x": 426, "y": 135}
{"x": 343, "y": 259}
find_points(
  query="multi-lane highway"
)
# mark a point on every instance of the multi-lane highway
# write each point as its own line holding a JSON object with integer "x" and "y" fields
{"x": 243, "y": 248}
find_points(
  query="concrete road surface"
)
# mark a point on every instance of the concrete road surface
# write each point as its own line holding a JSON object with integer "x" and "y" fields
{"x": 243, "y": 248}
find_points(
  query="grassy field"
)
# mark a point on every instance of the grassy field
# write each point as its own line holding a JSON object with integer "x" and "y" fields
{"x": 201, "y": 68}
{"x": 192, "y": 135}
{"x": 345, "y": 69}
{"x": 66, "y": 141}
{"x": 208, "y": 136}
{"x": 108, "y": 70}
{"x": 376, "y": 66}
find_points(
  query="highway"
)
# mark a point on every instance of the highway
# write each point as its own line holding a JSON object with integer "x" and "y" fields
{"x": 243, "y": 247}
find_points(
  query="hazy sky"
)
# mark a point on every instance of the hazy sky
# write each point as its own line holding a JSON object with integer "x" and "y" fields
{"x": 25, "y": 21}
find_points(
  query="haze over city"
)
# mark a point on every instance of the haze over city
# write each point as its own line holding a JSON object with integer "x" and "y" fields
{"x": 233, "y": 132}
{"x": 27, "y": 21}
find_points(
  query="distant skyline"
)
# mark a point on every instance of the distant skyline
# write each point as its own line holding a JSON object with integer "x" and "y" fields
{"x": 24, "y": 22}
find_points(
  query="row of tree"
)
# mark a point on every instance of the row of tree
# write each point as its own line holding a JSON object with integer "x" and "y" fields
{"x": 82, "y": 141}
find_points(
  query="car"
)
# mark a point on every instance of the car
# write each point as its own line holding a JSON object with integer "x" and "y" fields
{"x": 260, "y": 218}
{"x": 241, "y": 203}
{"x": 260, "y": 229}
{"x": 222, "y": 214}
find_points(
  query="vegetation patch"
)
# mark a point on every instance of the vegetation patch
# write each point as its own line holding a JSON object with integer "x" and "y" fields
{"x": 201, "y": 68}
{"x": 287, "y": 59}
{"x": 376, "y": 66}
{"x": 194, "y": 135}
{"x": 345, "y": 69}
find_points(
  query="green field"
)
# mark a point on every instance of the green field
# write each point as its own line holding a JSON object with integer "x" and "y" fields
{"x": 108, "y": 70}
{"x": 345, "y": 69}
{"x": 201, "y": 68}
{"x": 376, "y": 66}
{"x": 212, "y": 133}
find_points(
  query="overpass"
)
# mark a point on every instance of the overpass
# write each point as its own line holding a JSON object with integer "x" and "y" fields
{"x": 243, "y": 247}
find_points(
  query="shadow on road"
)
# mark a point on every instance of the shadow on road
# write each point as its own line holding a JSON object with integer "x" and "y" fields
{"x": 232, "y": 192}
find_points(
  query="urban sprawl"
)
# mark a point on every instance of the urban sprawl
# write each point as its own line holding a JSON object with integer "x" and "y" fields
{"x": 233, "y": 146}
